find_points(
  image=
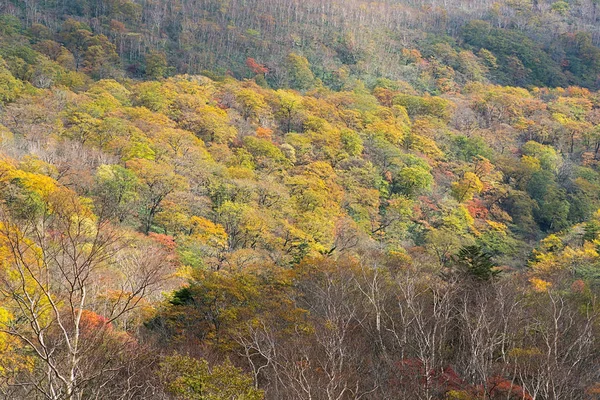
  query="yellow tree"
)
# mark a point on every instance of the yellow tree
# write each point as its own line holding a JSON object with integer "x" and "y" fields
{"x": 465, "y": 188}
{"x": 158, "y": 180}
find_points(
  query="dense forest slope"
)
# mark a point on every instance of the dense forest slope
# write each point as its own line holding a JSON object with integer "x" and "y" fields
{"x": 515, "y": 42}
{"x": 368, "y": 214}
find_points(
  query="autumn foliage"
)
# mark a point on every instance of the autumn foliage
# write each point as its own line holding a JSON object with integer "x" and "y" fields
{"x": 365, "y": 221}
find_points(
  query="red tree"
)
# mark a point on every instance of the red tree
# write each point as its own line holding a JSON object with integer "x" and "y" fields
{"x": 255, "y": 67}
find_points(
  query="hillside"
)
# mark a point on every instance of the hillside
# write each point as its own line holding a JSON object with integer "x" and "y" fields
{"x": 516, "y": 42}
{"x": 294, "y": 213}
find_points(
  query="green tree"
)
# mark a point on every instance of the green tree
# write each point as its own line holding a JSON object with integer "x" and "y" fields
{"x": 115, "y": 191}
{"x": 10, "y": 87}
{"x": 190, "y": 379}
{"x": 553, "y": 207}
{"x": 299, "y": 73}
{"x": 413, "y": 181}
{"x": 156, "y": 65}
{"x": 351, "y": 142}
{"x": 473, "y": 262}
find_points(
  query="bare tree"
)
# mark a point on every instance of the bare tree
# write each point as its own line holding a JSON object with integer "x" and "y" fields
{"x": 69, "y": 279}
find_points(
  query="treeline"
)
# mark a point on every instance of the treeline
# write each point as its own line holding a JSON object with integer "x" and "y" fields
{"x": 511, "y": 43}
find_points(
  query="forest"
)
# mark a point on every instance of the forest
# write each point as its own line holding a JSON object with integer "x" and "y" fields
{"x": 303, "y": 200}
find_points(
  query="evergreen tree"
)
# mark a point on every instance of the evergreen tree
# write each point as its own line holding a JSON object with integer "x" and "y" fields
{"x": 473, "y": 262}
